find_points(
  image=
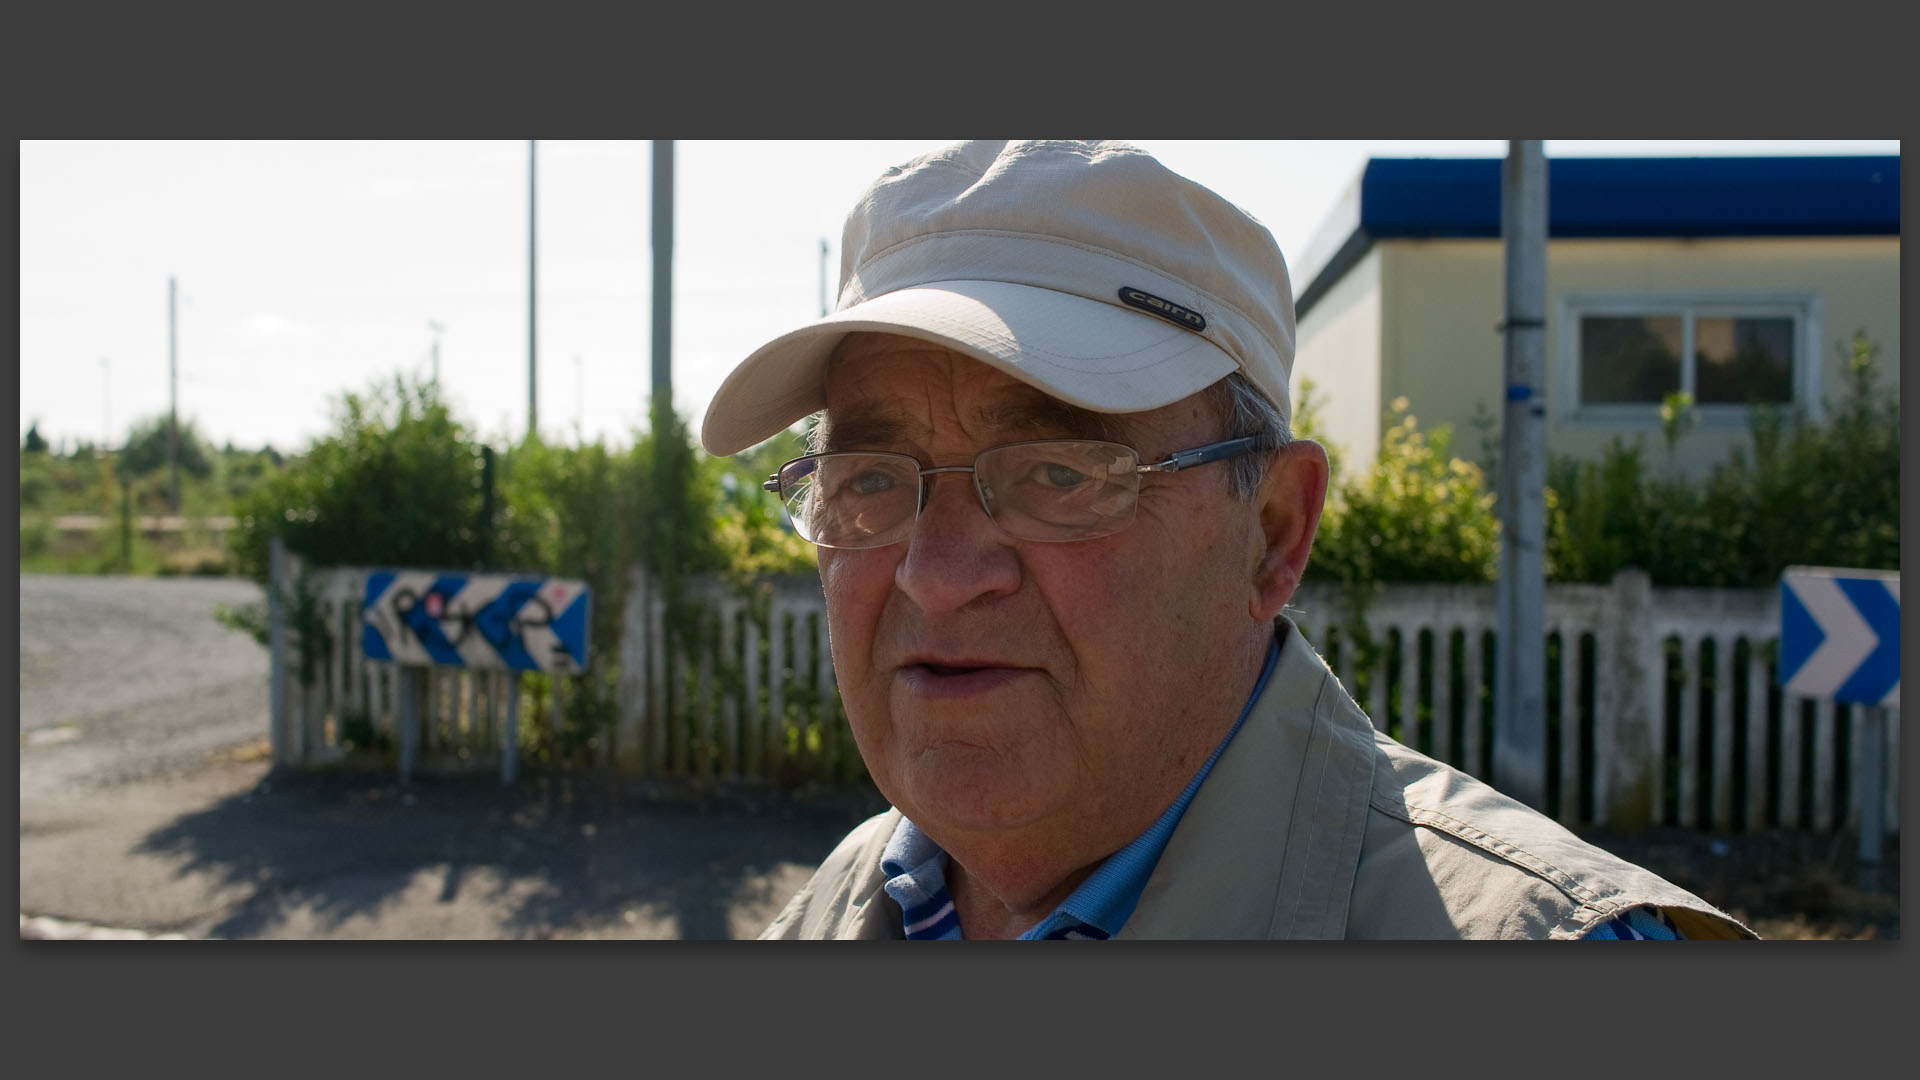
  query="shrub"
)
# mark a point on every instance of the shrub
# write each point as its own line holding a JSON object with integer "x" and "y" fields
{"x": 1813, "y": 493}
{"x": 146, "y": 449}
{"x": 397, "y": 484}
{"x": 1418, "y": 514}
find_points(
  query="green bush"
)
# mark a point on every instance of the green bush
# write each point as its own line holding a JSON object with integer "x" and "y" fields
{"x": 1810, "y": 493}
{"x": 146, "y": 449}
{"x": 1418, "y": 514}
{"x": 398, "y": 483}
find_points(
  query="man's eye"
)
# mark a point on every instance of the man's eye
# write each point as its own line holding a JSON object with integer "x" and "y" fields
{"x": 872, "y": 482}
{"x": 1062, "y": 476}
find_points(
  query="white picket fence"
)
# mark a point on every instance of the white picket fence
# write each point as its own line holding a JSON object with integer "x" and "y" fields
{"x": 1662, "y": 703}
{"x": 739, "y": 688}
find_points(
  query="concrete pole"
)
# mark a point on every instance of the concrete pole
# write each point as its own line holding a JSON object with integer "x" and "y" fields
{"x": 1520, "y": 699}
{"x": 662, "y": 280}
{"x": 823, "y": 277}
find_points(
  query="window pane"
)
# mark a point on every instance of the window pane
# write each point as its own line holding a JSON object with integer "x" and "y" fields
{"x": 1738, "y": 361}
{"x": 1628, "y": 358}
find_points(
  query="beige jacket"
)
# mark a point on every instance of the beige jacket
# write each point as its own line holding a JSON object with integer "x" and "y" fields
{"x": 1314, "y": 825}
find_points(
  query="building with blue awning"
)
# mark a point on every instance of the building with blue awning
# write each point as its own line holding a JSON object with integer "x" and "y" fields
{"x": 1735, "y": 279}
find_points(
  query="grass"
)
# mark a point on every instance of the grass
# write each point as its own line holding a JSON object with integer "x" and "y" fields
{"x": 46, "y": 549}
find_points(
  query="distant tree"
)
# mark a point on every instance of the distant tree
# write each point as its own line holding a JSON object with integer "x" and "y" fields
{"x": 33, "y": 443}
{"x": 146, "y": 450}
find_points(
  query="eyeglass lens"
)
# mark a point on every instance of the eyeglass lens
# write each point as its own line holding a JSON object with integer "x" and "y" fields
{"x": 1056, "y": 490}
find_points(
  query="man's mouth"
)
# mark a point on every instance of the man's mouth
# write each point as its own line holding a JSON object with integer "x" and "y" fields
{"x": 956, "y": 677}
{"x": 950, "y": 669}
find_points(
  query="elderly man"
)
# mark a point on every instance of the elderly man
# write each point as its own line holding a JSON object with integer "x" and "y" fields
{"x": 1060, "y": 515}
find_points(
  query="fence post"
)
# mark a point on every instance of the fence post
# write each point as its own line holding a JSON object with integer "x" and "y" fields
{"x": 408, "y": 720}
{"x": 660, "y": 667}
{"x": 1870, "y": 780}
{"x": 1639, "y": 697}
{"x": 776, "y": 730}
{"x": 277, "y": 649}
{"x": 510, "y": 753}
{"x": 1688, "y": 789}
{"x": 630, "y": 726}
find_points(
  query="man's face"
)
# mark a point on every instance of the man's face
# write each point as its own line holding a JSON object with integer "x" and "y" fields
{"x": 1058, "y": 694}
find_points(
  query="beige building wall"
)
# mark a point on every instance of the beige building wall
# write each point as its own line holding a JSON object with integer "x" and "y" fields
{"x": 1338, "y": 349}
{"x": 1441, "y": 301}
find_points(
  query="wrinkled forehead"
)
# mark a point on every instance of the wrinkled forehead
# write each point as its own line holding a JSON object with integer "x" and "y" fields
{"x": 887, "y": 390}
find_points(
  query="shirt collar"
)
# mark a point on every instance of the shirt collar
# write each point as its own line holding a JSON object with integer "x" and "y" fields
{"x": 1100, "y": 906}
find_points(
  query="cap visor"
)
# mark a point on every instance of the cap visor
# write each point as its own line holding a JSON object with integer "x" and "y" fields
{"x": 1095, "y": 355}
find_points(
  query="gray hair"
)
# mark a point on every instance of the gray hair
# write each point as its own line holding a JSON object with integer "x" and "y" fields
{"x": 1243, "y": 411}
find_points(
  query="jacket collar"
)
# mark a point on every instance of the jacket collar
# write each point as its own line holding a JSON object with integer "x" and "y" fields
{"x": 1270, "y": 844}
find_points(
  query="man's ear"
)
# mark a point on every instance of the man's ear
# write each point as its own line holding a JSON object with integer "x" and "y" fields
{"x": 1290, "y": 499}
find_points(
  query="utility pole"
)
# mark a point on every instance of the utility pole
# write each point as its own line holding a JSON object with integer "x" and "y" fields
{"x": 579, "y": 400}
{"x": 1520, "y": 699}
{"x": 533, "y": 403}
{"x": 436, "y": 328}
{"x": 823, "y": 277}
{"x": 662, "y": 283}
{"x": 173, "y": 398}
{"x": 106, "y": 407}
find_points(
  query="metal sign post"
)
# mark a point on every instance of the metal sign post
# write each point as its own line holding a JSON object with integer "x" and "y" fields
{"x": 1840, "y": 640}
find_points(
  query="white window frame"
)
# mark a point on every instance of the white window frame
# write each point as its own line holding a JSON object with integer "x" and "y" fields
{"x": 1802, "y": 308}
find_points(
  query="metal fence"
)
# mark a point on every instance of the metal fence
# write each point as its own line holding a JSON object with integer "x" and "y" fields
{"x": 1662, "y": 704}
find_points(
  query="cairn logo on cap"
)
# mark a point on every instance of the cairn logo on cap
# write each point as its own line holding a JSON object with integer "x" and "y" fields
{"x": 1166, "y": 309}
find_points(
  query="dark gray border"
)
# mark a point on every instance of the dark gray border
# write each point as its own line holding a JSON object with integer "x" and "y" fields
{"x": 698, "y": 1008}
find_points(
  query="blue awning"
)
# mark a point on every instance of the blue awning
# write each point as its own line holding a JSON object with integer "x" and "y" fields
{"x": 1641, "y": 197}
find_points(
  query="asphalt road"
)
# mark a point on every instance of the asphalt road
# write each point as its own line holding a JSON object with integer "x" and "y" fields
{"x": 127, "y": 679}
{"x": 147, "y": 804}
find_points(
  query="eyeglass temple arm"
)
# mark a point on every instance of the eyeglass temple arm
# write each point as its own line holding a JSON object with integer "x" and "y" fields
{"x": 1201, "y": 455}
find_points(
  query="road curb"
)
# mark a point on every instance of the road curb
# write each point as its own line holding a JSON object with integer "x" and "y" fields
{"x": 48, "y": 928}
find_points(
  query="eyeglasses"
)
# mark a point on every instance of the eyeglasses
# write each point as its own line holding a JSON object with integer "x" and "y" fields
{"x": 1052, "y": 490}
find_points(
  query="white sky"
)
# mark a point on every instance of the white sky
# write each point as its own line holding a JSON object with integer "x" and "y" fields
{"x": 306, "y": 269}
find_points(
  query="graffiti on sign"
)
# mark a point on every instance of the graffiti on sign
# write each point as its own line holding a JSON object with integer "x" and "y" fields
{"x": 508, "y": 621}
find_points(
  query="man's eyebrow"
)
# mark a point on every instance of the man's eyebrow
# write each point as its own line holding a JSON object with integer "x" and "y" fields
{"x": 1039, "y": 413}
{"x": 862, "y": 429}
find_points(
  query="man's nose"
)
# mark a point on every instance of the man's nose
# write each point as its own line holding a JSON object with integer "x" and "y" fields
{"x": 955, "y": 553}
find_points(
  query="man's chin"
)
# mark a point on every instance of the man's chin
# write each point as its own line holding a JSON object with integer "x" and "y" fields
{"x": 972, "y": 789}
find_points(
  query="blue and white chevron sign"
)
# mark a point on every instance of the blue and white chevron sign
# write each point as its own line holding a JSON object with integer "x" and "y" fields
{"x": 1840, "y": 634}
{"x": 512, "y": 621}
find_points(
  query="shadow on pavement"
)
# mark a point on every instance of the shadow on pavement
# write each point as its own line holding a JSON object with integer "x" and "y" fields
{"x": 354, "y": 854}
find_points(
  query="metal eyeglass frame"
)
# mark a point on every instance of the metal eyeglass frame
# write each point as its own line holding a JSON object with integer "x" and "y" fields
{"x": 1176, "y": 461}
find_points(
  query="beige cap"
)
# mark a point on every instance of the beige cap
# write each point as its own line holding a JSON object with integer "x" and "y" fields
{"x": 1087, "y": 269}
